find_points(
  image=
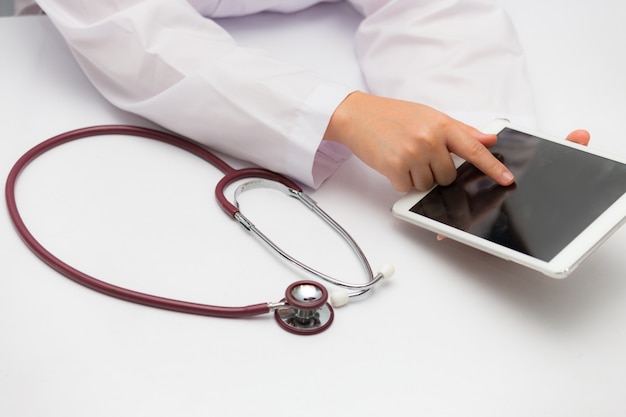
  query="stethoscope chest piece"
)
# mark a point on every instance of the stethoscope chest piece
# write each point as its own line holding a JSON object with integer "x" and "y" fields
{"x": 306, "y": 310}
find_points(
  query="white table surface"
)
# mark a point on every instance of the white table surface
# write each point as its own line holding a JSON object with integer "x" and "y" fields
{"x": 455, "y": 333}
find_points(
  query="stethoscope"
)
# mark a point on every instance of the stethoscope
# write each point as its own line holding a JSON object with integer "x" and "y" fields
{"x": 305, "y": 308}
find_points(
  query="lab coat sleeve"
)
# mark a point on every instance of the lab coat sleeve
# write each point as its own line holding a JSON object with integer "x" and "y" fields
{"x": 461, "y": 57}
{"x": 164, "y": 61}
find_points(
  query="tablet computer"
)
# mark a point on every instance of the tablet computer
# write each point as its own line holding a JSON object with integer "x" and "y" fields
{"x": 566, "y": 200}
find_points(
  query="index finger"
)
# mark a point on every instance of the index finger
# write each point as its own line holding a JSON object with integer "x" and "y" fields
{"x": 469, "y": 147}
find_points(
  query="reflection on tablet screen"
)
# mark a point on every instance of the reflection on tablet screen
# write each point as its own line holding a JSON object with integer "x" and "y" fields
{"x": 558, "y": 192}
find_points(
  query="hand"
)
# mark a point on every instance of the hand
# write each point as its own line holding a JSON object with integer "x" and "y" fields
{"x": 411, "y": 143}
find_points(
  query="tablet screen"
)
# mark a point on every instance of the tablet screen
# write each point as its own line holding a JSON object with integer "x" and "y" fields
{"x": 558, "y": 192}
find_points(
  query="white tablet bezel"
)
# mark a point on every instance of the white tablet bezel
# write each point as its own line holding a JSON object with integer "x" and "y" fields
{"x": 565, "y": 261}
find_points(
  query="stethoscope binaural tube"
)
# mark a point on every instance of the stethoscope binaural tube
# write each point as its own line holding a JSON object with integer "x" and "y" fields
{"x": 338, "y": 298}
{"x": 309, "y": 314}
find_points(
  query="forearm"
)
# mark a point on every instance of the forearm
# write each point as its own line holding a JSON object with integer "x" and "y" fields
{"x": 164, "y": 61}
{"x": 459, "y": 56}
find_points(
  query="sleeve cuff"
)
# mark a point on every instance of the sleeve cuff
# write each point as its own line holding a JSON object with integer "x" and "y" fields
{"x": 311, "y": 159}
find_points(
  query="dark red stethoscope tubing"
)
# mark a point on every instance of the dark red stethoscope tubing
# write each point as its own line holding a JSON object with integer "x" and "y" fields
{"x": 239, "y": 174}
{"x": 230, "y": 175}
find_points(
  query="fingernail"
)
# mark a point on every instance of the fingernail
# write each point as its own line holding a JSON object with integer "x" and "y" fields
{"x": 507, "y": 177}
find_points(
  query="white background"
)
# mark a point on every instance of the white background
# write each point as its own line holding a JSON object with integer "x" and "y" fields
{"x": 455, "y": 333}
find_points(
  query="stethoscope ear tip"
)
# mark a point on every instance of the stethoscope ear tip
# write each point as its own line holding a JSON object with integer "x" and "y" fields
{"x": 339, "y": 298}
{"x": 387, "y": 271}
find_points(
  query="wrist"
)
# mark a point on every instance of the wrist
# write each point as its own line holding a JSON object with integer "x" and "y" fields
{"x": 342, "y": 119}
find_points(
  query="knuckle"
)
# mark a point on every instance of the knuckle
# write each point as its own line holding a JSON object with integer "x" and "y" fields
{"x": 423, "y": 184}
{"x": 400, "y": 183}
{"x": 476, "y": 149}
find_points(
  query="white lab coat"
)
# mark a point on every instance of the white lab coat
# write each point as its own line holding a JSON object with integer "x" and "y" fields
{"x": 168, "y": 61}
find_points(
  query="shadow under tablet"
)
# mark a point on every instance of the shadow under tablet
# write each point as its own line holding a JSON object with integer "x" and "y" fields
{"x": 558, "y": 192}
